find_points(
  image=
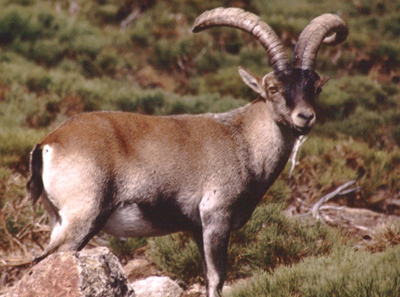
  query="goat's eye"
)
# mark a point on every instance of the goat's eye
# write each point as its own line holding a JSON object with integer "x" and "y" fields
{"x": 273, "y": 89}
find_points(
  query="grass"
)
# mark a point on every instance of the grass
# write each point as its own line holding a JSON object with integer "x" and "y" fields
{"x": 325, "y": 164}
{"x": 178, "y": 255}
{"x": 344, "y": 272}
{"x": 124, "y": 249}
{"x": 268, "y": 240}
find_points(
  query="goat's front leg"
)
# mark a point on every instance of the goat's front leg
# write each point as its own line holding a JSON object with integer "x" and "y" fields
{"x": 215, "y": 239}
{"x": 215, "y": 257}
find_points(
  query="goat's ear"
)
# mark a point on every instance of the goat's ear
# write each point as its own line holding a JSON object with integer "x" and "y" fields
{"x": 323, "y": 81}
{"x": 252, "y": 80}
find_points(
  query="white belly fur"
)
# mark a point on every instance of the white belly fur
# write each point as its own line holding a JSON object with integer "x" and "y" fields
{"x": 128, "y": 221}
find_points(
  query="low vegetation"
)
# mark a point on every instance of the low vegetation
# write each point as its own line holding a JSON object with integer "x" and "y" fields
{"x": 344, "y": 272}
{"x": 62, "y": 58}
{"x": 268, "y": 240}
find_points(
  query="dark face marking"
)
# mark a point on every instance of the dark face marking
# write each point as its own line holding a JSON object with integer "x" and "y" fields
{"x": 294, "y": 98}
{"x": 300, "y": 86}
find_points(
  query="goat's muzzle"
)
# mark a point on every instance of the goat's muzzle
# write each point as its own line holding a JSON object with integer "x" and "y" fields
{"x": 303, "y": 120}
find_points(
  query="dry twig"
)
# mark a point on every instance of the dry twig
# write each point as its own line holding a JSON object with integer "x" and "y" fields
{"x": 133, "y": 15}
{"x": 299, "y": 142}
{"x": 339, "y": 191}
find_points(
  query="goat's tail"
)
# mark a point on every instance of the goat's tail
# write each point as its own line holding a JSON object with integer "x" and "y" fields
{"x": 35, "y": 183}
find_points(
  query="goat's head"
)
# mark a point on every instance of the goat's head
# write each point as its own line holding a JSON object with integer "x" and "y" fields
{"x": 291, "y": 88}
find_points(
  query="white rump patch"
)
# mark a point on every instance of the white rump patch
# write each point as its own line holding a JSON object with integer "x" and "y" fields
{"x": 47, "y": 154}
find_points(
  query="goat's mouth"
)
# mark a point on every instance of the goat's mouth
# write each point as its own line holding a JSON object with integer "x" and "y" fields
{"x": 302, "y": 130}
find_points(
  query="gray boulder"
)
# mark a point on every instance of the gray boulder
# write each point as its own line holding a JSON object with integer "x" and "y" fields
{"x": 95, "y": 273}
{"x": 157, "y": 286}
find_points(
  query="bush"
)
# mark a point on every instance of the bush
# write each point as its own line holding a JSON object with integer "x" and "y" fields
{"x": 107, "y": 13}
{"x": 16, "y": 144}
{"x": 177, "y": 254}
{"x": 336, "y": 163}
{"x": 362, "y": 125}
{"x": 208, "y": 62}
{"x": 271, "y": 238}
{"x": 15, "y": 25}
{"x": 38, "y": 81}
{"x": 125, "y": 248}
{"x": 45, "y": 37}
{"x": 267, "y": 240}
{"x": 343, "y": 273}
{"x": 45, "y": 113}
{"x": 169, "y": 54}
{"x": 227, "y": 81}
{"x": 148, "y": 104}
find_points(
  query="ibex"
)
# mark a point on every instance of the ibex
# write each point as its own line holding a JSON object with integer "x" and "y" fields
{"x": 137, "y": 175}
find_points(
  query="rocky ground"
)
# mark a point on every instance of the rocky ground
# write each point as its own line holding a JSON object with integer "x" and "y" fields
{"x": 369, "y": 229}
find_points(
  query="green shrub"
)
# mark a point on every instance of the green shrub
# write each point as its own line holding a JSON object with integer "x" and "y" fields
{"x": 16, "y": 144}
{"x": 126, "y": 104}
{"x": 45, "y": 113}
{"x": 335, "y": 163}
{"x": 90, "y": 68}
{"x": 47, "y": 51}
{"x": 179, "y": 107}
{"x": 148, "y": 104}
{"x": 280, "y": 191}
{"x": 140, "y": 33}
{"x": 343, "y": 273}
{"x": 107, "y": 13}
{"x": 254, "y": 57}
{"x": 208, "y": 62}
{"x": 267, "y": 240}
{"x": 108, "y": 62}
{"x": 392, "y": 26}
{"x": 168, "y": 54}
{"x": 15, "y": 25}
{"x": 362, "y": 125}
{"x": 334, "y": 103}
{"x": 395, "y": 132}
{"x": 38, "y": 81}
{"x": 46, "y": 37}
{"x": 125, "y": 249}
{"x": 227, "y": 81}
{"x": 177, "y": 254}
{"x": 271, "y": 238}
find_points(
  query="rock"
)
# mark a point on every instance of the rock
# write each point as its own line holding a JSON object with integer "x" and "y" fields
{"x": 139, "y": 269}
{"x": 195, "y": 290}
{"x": 157, "y": 286}
{"x": 95, "y": 273}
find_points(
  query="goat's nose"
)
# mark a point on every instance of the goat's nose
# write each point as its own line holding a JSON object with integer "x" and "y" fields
{"x": 306, "y": 116}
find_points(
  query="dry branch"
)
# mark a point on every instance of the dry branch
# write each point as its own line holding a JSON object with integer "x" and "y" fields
{"x": 299, "y": 142}
{"x": 339, "y": 191}
{"x": 133, "y": 15}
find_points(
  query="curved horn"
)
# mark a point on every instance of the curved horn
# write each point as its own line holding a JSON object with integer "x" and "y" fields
{"x": 251, "y": 23}
{"x": 314, "y": 35}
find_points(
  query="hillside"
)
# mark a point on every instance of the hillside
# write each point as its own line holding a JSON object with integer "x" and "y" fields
{"x": 61, "y": 58}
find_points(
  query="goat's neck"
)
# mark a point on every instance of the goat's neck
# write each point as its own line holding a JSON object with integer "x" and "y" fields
{"x": 268, "y": 143}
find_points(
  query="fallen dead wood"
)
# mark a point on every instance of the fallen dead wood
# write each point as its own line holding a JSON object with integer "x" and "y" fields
{"x": 299, "y": 142}
{"x": 342, "y": 190}
{"x": 133, "y": 15}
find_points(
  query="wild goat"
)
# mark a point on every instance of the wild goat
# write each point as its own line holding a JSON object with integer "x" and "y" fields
{"x": 136, "y": 175}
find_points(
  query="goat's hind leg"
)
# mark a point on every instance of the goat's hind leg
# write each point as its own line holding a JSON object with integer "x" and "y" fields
{"x": 79, "y": 209}
{"x": 73, "y": 228}
{"x": 76, "y": 195}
